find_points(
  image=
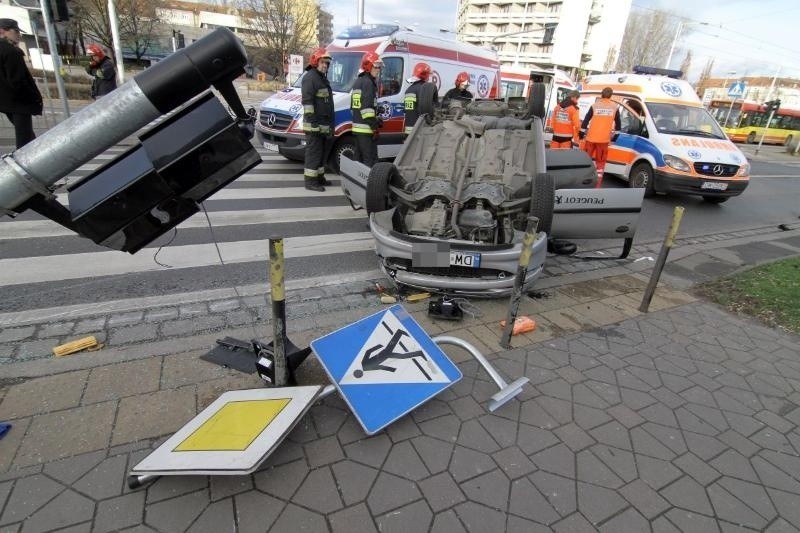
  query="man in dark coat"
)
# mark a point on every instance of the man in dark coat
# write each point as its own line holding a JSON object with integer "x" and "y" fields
{"x": 20, "y": 99}
{"x": 102, "y": 71}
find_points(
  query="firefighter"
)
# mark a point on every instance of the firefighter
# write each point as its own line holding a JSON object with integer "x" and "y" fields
{"x": 363, "y": 104}
{"x": 597, "y": 128}
{"x": 422, "y": 71}
{"x": 566, "y": 122}
{"x": 102, "y": 71}
{"x": 459, "y": 92}
{"x": 317, "y": 118}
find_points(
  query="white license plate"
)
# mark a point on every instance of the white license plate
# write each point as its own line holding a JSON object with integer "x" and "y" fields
{"x": 271, "y": 146}
{"x": 465, "y": 259}
{"x": 714, "y": 185}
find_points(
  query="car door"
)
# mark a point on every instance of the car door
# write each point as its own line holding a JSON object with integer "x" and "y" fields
{"x": 627, "y": 141}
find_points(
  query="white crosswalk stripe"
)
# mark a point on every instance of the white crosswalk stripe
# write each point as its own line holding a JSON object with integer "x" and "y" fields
{"x": 324, "y": 230}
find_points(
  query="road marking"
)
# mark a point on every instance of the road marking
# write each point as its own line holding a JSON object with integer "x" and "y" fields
{"x": 94, "y": 264}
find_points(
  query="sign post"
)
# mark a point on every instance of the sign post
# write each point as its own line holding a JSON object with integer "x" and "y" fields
{"x": 735, "y": 90}
{"x": 295, "y": 67}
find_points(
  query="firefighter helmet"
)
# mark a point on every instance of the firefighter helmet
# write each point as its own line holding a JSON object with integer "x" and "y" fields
{"x": 318, "y": 55}
{"x": 463, "y": 77}
{"x": 422, "y": 71}
{"x": 370, "y": 61}
{"x": 95, "y": 50}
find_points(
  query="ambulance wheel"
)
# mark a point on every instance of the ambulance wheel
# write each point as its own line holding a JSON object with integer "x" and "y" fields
{"x": 380, "y": 176}
{"x": 715, "y": 199}
{"x": 642, "y": 177}
{"x": 536, "y": 101}
{"x": 543, "y": 191}
{"x": 344, "y": 146}
{"x": 751, "y": 138}
{"x": 426, "y": 96}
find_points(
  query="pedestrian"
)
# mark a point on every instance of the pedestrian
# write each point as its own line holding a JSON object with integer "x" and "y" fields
{"x": 20, "y": 99}
{"x": 317, "y": 118}
{"x": 102, "y": 70}
{"x": 422, "y": 71}
{"x": 458, "y": 93}
{"x": 599, "y": 124}
{"x": 566, "y": 122}
{"x": 364, "y": 105}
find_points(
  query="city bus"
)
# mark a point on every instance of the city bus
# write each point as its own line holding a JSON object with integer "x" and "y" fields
{"x": 747, "y": 122}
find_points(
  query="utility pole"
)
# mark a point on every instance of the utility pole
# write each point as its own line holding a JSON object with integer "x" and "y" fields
{"x": 361, "y": 11}
{"x": 112, "y": 17}
{"x": 53, "y": 44}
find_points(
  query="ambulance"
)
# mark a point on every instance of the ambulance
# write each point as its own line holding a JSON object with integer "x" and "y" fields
{"x": 668, "y": 142}
{"x": 280, "y": 120}
{"x": 516, "y": 82}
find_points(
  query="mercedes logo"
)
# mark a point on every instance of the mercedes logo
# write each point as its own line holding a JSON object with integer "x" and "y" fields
{"x": 718, "y": 170}
{"x": 271, "y": 118}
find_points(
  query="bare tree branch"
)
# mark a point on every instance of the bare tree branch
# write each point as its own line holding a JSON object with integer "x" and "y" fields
{"x": 138, "y": 20}
{"x": 647, "y": 40}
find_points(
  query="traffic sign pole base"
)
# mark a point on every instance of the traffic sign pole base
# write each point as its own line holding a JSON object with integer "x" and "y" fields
{"x": 507, "y": 393}
{"x": 265, "y": 366}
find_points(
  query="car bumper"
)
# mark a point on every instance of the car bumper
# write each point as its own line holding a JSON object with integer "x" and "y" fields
{"x": 494, "y": 278}
{"x": 671, "y": 183}
{"x": 290, "y": 147}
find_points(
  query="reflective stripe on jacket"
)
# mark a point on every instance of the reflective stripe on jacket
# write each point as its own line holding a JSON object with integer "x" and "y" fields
{"x": 565, "y": 122}
{"x": 410, "y": 105}
{"x": 317, "y": 103}
{"x": 363, "y": 103}
{"x": 601, "y": 124}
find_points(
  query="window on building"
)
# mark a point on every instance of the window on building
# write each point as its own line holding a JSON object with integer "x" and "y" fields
{"x": 549, "y": 30}
{"x": 554, "y": 8}
{"x": 502, "y": 28}
{"x": 546, "y": 49}
{"x": 505, "y": 8}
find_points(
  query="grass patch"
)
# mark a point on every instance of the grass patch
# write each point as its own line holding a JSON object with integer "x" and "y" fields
{"x": 770, "y": 293}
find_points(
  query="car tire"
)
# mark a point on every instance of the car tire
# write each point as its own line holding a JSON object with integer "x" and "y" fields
{"x": 642, "y": 176}
{"x": 542, "y": 200}
{"x": 751, "y": 138}
{"x": 344, "y": 145}
{"x": 380, "y": 176}
{"x": 536, "y": 101}
{"x": 715, "y": 199}
{"x": 425, "y": 99}
{"x": 788, "y": 140}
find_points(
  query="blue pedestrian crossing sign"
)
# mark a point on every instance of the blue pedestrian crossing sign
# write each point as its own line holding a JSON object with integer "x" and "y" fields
{"x": 384, "y": 366}
{"x": 736, "y": 89}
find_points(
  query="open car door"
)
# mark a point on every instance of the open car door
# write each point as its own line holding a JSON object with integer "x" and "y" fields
{"x": 354, "y": 181}
{"x": 597, "y": 214}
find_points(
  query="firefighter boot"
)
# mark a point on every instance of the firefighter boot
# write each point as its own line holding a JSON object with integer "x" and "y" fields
{"x": 323, "y": 181}
{"x": 313, "y": 184}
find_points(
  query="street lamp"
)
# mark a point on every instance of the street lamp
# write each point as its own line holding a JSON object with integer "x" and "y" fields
{"x": 681, "y": 25}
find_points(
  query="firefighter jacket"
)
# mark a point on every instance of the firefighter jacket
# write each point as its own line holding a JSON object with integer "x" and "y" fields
{"x": 602, "y": 119}
{"x": 411, "y": 105}
{"x": 317, "y": 103}
{"x": 364, "y": 104}
{"x": 458, "y": 95}
{"x": 566, "y": 122}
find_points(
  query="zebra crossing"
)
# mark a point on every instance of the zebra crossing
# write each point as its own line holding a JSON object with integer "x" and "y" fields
{"x": 44, "y": 265}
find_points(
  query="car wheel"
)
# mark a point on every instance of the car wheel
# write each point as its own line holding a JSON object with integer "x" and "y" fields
{"x": 788, "y": 140}
{"x": 425, "y": 99}
{"x": 751, "y": 138}
{"x": 542, "y": 199}
{"x": 344, "y": 146}
{"x": 536, "y": 101}
{"x": 642, "y": 177}
{"x": 380, "y": 176}
{"x": 715, "y": 199}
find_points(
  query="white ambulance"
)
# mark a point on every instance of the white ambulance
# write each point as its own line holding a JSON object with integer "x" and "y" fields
{"x": 516, "y": 82}
{"x": 280, "y": 122}
{"x": 668, "y": 142}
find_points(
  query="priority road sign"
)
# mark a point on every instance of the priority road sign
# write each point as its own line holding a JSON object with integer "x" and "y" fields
{"x": 384, "y": 366}
{"x": 233, "y": 435}
{"x": 736, "y": 89}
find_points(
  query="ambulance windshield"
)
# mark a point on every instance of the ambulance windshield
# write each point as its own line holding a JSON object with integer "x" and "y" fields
{"x": 676, "y": 119}
{"x": 342, "y": 71}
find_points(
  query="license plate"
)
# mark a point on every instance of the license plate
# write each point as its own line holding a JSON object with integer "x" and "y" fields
{"x": 714, "y": 185}
{"x": 271, "y": 146}
{"x": 465, "y": 259}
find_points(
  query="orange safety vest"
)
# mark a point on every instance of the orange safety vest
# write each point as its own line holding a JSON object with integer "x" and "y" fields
{"x": 602, "y": 122}
{"x": 566, "y": 122}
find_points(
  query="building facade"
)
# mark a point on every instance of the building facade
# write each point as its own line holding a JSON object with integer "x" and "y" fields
{"x": 574, "y": 35}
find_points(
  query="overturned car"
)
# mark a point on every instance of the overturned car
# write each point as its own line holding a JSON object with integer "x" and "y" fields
{"x": 449, "y": 214}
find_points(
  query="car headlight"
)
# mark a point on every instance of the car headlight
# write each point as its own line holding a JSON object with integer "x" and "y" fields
{"x": 677, "y": 163}
{"x": 744, "y": 170}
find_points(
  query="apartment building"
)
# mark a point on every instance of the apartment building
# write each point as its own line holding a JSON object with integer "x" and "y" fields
{"x": 579, "y": 36}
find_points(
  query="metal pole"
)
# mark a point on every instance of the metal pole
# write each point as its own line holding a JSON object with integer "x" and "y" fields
{"x": 112, "y": 17}
{"x": 772, "y": 112}
{"x": 53, "y": 44}
{"x": 674, "y": 41}
{"x": 277, "y": 294}
{"x": 44, "y": 73}
{"x": 729, "y": 112}
{"x": 361, "y": 11}
{"x": 519, "y": 280}
{"x": 769, "y": 120}
{"x": 677, "y": 215}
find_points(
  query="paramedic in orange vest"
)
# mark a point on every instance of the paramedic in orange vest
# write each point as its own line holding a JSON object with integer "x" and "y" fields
{"x": 565, "y": 122}
{"x": 599, "y": 124}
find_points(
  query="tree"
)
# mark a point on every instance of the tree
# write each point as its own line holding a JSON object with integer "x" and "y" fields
{"x": 647, "y": 40}
{"x": 138, "y": 20}
{"x": 611, "y": 59}
{"x": 686, "y": 64}
{"x": 706, "y": 72}
{"x": 280, "y": 27}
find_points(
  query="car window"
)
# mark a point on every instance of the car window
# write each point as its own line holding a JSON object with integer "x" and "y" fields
{"x": 391, "y": 76}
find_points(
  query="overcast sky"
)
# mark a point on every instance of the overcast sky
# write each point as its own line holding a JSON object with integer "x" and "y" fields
{"x": 749, "y": 37}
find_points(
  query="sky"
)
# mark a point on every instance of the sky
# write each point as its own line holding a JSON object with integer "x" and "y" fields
{"x": 745, "y": 37}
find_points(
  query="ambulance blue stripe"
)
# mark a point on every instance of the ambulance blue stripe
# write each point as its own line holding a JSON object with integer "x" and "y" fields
{"x": 640, "y": 145}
